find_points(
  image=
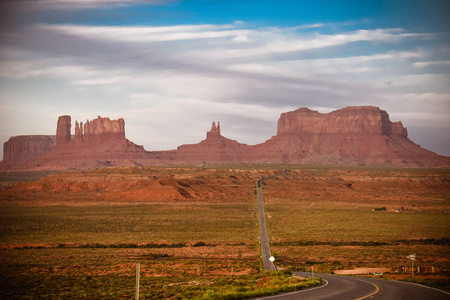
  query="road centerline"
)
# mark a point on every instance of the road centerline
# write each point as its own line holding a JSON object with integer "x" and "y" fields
{"x": 377, "y": 289}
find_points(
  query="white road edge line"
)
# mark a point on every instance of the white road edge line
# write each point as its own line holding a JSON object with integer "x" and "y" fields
{"x": 296, "y": 292}
{"x": 421, "y": 285}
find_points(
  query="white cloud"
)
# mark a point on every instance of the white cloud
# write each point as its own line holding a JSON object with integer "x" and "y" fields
{"x": 147, "y": 34}
{"x": 422, "y": 80}
{"x": 275, "y": 42}
{"x": 33, "y": 69}
{"x": 424, "y": 64}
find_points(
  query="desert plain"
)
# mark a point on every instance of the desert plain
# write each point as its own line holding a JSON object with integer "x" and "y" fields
{"x": 194, "y": 230}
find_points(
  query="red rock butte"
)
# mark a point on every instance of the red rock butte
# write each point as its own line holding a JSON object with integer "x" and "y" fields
{"x": 359, "y": 135}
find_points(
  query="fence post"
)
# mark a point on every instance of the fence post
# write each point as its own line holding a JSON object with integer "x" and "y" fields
{"x": 138, "y": 271}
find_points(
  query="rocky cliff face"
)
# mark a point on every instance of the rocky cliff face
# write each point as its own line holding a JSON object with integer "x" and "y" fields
{"x": 19, "y": 149}
{"x": 103, "y": 129}
{"x": 367, "y": 120}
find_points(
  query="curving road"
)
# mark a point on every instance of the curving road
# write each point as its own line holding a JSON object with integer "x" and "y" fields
{"x": 357, "y": 288}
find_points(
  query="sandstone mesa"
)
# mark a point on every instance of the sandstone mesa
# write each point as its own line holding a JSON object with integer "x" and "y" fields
{"x": 356, "y": 135}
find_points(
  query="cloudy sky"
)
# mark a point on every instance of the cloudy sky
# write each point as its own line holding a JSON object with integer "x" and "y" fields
{"x": 170, "y": 68}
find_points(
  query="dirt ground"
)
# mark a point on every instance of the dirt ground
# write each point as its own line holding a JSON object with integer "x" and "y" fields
{"x": 389, "y": 192}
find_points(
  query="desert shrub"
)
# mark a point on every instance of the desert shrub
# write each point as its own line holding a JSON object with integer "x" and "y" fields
{"x": 380, "y": 209}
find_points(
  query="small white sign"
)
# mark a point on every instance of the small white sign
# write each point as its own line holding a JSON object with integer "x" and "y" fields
{"x": 272, "y": 258}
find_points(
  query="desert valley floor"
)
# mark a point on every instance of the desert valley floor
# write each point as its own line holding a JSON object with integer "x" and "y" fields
{"x": 194, "y": 230}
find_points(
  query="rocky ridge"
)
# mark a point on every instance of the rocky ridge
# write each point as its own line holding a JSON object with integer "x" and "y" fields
{"x": 359, "y": 135}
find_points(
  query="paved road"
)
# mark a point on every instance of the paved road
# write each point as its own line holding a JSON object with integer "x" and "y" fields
{"x": 344, "y": 288}
{"x": 265, "y": 248}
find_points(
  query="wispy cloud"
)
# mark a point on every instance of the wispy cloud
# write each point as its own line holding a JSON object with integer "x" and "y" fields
{"x": 425, "y": 64}
{"x": 147, "y": 34}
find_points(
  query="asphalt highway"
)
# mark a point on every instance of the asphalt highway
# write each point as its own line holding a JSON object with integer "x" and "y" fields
{"x": 264, "y": 240}
{"x": 357, "y": 288}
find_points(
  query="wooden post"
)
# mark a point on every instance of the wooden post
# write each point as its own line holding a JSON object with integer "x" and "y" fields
{"x": 138, "y": 271}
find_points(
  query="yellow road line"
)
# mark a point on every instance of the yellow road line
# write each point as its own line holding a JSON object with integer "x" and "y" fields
{"x": 376, "y": 291}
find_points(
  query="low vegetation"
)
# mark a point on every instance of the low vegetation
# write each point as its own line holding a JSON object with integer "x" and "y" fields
{"x": 74, "y": 243}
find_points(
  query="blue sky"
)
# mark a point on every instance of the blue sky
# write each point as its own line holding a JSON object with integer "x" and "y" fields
{"x": 170, "y": 68}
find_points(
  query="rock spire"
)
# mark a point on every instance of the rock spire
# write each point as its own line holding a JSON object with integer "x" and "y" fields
{"x": 63, "y": 130}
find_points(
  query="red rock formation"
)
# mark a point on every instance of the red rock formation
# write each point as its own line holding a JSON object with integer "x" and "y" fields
{"x": 103, "y": 129}
{"x": 102, "y": 143}
{"x": 63, "y": 130}
{"x": 361, "y": 135}
{"x": 214, "y": 149}
{"x": 215, "y": 131}
{"x": 350, "y": 120}
{"x": 398, "y": 129}
{"x": 78, "y": 132}
{"x": 19, "y": 149}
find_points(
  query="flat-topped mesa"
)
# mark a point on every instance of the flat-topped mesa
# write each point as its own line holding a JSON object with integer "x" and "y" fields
{"x": 63, "y": 130}
{"x": 366, "y": 120}
{"x": 215, "y": 131}
{"x": 19, "y": 149}
{"x": 102, "y": 129}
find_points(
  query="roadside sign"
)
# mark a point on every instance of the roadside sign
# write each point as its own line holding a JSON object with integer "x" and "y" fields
{"x": 411, "y": 257}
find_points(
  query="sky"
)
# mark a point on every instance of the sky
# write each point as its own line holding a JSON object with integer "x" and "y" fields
{"x": 171, "y": 68}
